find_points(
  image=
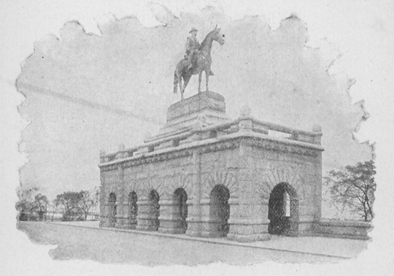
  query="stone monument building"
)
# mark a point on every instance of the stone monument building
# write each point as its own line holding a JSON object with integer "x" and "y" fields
{"x": 207, "y": 175}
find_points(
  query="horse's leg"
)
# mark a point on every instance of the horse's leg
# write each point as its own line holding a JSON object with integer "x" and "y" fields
{"x": 199, "y": 82}
{"x": 181, "y": 89}
{"x": 186, "y": 80}
{"x": 207, "y": 71}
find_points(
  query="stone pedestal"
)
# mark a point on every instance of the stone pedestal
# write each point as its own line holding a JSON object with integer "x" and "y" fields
{"x": 207, "y": 107}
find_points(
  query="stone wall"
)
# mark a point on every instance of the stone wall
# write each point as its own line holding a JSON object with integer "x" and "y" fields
{"x": 226, "y": 169}
{"x": 343, "y": 229}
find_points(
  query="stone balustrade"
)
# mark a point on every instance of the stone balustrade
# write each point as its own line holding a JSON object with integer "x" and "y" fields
{"x": 198, "y": 132}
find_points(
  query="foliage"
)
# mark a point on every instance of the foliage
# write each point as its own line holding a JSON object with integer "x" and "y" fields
{"x": 353, "y": 188}
{"x": 40, "y": 204}
{"x": 77, "y": 204}
{"x": 69, "y": 201}
{"x": 88, "y": 200}
{"x": 29, "y": 209}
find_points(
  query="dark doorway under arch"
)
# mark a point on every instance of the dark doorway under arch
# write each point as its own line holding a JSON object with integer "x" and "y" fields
{"x": 180, "y": 198}
{"x": 154, "y": 210}
{"x": 112, "y": 209}
{"x": 133, "y": 209}
{"x": 283, "y": 210}
{"x": 220, "y": 211}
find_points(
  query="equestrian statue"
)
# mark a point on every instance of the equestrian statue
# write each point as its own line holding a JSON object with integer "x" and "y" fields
{"x": 196, "y": 60}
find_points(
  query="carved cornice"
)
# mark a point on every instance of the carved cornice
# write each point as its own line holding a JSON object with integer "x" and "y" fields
{"x": 289, "y": 149}
{"x": 165, "y": 156}
{"x": 220, "y": 146}
{"x": 213, "y": 147}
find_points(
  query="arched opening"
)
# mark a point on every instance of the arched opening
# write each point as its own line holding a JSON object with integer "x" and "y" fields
{"x": 220, "y": 211}
{"x": 133, "y": 209}
{"x": 154, "y": 209}
{"x": 112, "y": 209}
{"x": 283, "y": 210}
{"x": 180, "y": 198}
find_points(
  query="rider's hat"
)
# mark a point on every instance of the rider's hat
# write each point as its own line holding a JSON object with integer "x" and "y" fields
{"x": 193, "y": 30}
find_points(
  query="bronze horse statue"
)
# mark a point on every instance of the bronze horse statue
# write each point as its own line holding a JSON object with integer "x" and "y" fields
{"x": 202, "y": 62}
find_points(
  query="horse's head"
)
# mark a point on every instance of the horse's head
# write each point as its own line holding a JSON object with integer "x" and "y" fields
{"x": 217, "y": 36}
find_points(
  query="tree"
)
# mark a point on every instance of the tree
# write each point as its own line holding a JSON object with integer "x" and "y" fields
{"x": 354, "y": 188}
{"x": 27, "y": 206}
{"x": 24, "y": 207}
{"x": 70, "y": 202}
{"x": 87, "y": 200}
{"x": 40, "y": 205}
{"x": 77, "y": 203}
{"x": 51, "y": 208}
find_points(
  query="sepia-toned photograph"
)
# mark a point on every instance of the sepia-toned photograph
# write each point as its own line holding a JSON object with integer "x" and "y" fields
{"x": 159, "y": 134}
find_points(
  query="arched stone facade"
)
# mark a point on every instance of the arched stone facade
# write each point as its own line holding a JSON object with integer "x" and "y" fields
{"x": 219, "y": 211}
{"x": 222, "y": 177}
{"x": 284, "y": 220}
{"x": 190, "y": 158}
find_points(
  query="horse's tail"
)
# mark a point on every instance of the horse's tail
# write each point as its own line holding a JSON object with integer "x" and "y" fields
{"x": 176, "y": 80}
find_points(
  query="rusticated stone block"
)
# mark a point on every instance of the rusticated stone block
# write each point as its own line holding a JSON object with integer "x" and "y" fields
{"x": 234, "y": 177}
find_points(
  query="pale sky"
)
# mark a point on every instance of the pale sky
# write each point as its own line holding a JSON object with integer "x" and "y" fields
{"x": 130, "y": 67}
{"x": 359, "y": 31}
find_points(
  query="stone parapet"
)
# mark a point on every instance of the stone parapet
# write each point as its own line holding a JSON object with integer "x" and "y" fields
{"x": 342, "y": 229}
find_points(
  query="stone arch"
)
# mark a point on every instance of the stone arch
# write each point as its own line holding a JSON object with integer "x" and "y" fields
{"x": 132, "y": 209}
{"x": 224, "y": 178}
{"x": 180, "y": 213}
{"x": 112, "y": 209}
{"x": 133, "y": 187}
{"x": 291, "y": 174}
{"x": 181, "y": 181}
{"x": 154, "y": 209}
{"x": 153, "y": 184}
{"x": 284, "y": 218}
{"x": 219, "y": 211}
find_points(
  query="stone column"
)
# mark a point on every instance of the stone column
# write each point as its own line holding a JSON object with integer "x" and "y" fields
{"x": 144, "y": 215}
{"x": 248, "y": 223}
{"x": 126, "y": 223}
{"x": 208, "y": 224}
{"x": 104, "y": 215}
{"x": 121, "y": 215}
{"x": 193, "y": 218}
{"x": 170, "y": 219}
{"x": 193, "y": 202}
{"x": 249, "y": 216}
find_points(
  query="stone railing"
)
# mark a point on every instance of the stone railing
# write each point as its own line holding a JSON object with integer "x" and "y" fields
{"x": 343, "y": 229}
{"x": 199, "y": 130}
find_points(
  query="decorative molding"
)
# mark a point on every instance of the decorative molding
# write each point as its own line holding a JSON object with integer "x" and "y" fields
{"x": 220, "y": 146}
{"x": 162, "y": 157}
{"x": 272, "y": 146}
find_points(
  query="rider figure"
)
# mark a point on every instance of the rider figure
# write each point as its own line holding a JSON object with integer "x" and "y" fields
{"x": 192, "y": 47}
